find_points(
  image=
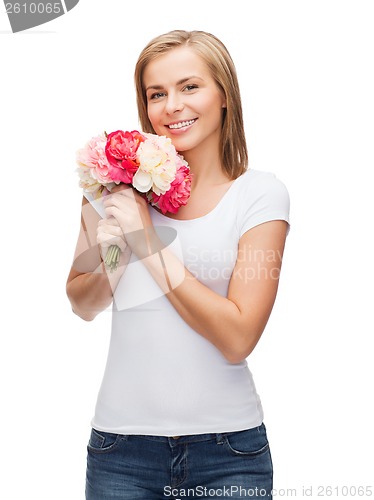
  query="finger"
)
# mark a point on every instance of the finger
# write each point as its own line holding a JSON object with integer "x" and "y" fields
{"x": 111, "y": 221}
{"x": 120, "y": 187}
{"x": 109, "y": 224}
{"x": 112, "y": 230}
{"x": 124, "y": 205}
{"x": 134, "y": 196}
{"x": 115, "y": 212}
{"x": 116, "y": 198}
{"x": 106, "y": 240}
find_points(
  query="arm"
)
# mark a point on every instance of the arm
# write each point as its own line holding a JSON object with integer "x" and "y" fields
{"x": 89, "y": 287}
{"x": 233, "y": 324}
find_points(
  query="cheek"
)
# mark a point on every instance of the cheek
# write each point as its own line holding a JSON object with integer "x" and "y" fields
{"x": 153, "y": 116}
{"x": 210, "y": 106}
{"x": 213, "y": 111}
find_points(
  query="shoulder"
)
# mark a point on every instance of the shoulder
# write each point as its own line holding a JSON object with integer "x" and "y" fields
{"x": 254, "y": 185}
{"x": 256, "y": 179}
{"x": 261, "y": 197}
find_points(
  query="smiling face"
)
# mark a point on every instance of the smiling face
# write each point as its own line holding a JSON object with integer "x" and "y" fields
{"x": 183, "y": 100}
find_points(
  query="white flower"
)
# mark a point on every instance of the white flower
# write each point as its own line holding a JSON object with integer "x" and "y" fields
{"x": 87, "y": 181}
{"x": 142, "y": 181}
{"x": 158, "y": 165}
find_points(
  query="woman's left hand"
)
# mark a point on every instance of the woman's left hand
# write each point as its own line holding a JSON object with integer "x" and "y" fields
{"x": 131, "y": 211}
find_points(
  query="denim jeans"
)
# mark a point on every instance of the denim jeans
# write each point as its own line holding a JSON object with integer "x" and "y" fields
{"x": 211, "y": 466}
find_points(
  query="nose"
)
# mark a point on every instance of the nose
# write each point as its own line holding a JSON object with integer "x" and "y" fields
{"x": 174, "y": 103}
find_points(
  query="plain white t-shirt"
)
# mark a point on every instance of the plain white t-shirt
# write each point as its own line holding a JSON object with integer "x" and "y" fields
{"x": 162, "y": 377}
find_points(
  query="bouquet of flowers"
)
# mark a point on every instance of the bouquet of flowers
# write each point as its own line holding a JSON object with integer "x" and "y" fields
{"x": 147, "y": 162}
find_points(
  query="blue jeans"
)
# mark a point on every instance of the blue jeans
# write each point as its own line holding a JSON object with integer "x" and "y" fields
{"x": 212, "y": 466}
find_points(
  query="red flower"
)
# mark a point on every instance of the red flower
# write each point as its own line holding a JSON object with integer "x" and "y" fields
{"x": 177, "y": 195}
{"x": 120, "y": 150}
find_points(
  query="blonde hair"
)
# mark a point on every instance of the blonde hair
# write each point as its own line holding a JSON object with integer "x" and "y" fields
{"x": 233, "y": 148}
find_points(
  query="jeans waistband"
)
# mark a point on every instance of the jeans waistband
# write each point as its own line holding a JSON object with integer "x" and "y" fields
{"x": 173, "y": 440}
{"x": 191, "y": 438}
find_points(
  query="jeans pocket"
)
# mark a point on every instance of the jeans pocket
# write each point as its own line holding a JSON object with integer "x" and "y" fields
{"x": 248, "y": 443}
{"x": 103, "y": 442}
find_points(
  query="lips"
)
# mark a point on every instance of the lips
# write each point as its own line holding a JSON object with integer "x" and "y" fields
{"x": 181, "y": 124}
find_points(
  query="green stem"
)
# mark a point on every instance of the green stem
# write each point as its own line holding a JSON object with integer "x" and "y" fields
{"x": 112, "y": 257}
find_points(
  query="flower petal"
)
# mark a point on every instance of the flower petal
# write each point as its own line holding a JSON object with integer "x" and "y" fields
{"x": 142, "y": 181}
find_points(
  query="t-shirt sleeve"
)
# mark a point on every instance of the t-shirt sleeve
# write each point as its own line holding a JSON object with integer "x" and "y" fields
{"x": 264, "y": 199}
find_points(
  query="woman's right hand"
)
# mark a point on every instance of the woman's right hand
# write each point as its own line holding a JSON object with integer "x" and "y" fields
{"x": 89, "y": 286}
{"x": 110, "y": 233}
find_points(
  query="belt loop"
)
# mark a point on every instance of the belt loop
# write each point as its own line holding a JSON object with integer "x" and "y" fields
{"x": 219, "y": 438}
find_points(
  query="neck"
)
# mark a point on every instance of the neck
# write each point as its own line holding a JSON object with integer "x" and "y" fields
{"x": 206, "y": 168}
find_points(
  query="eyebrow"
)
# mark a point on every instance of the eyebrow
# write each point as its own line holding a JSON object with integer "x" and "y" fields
{"x": 179, "y": 82}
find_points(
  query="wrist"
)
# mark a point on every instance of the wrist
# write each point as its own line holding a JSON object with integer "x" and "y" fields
{"x": 144, "y": 242}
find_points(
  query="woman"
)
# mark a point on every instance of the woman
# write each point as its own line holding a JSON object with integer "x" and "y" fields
{"x": 178, "y": 413}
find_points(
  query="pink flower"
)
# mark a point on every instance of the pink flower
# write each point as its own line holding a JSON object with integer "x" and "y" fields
{"x": 120, "y": 150}
{"x": 177, "y": 195}
{"x": 92, "y": 158}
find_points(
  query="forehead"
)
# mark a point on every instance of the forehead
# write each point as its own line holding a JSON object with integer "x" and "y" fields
{"x": 174, "y": 66}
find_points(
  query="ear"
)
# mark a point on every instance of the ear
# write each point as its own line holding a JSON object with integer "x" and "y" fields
{"x": 224, "y": 104}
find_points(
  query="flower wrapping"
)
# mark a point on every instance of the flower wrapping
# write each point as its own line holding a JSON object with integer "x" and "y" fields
{"x": 147, "y": 162}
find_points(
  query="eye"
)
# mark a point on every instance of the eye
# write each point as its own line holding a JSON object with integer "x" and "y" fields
{"x": 156, "y": 95}
{"x": 191, "y": 86}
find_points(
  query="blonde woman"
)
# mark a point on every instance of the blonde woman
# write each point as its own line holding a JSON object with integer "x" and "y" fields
{"x": 178, "y": 414}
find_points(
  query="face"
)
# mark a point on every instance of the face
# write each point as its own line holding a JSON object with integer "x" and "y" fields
{"x": 183, "y": 101}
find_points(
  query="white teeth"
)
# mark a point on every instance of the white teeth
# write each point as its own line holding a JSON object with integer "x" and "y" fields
{"x": 181, "y": 124}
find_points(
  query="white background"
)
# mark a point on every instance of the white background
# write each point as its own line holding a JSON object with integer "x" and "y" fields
{"x": 307, "y": 80}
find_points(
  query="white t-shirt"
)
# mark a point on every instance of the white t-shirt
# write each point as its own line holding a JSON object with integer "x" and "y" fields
{"x": 162, "y": 377}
